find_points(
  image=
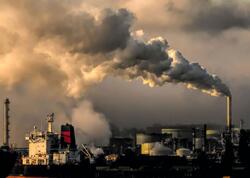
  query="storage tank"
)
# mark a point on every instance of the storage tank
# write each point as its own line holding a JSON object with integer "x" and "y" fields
{"x": 183, "y": 152}
{"x": 155, "y": 149}
{"x": 160, "y": 150}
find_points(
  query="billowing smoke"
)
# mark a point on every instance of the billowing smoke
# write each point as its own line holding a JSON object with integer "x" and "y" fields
{"x": 91, "y": 127}
{"x": 156, "y": 63}
{"x": 54, "y": 44}
{"x": 70, "y": 49}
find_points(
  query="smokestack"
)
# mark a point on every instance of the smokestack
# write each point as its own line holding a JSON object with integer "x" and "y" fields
{"x": 6, "y": 122}
{"x": 50, "y": 119}
{"x": 194, "y": 137}
{"x": 204, "y": 137}
{"x": 229, "y": 114}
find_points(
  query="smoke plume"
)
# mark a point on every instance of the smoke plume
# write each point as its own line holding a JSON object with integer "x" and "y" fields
{"x": 91, "y": 127}
{"x": 57, "y": 46}
{"x": 71, "y": 50}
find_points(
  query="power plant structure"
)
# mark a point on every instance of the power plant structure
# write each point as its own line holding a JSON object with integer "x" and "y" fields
{"x": 173, "y": 151}
{"x": 6, "y": 122}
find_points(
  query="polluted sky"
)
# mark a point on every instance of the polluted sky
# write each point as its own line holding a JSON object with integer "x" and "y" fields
{"x": 88, "y": 61}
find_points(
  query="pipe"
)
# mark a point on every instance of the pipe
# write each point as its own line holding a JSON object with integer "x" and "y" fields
{"x": 229, "y": 114}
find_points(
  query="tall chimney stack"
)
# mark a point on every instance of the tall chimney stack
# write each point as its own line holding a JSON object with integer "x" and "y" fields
{"x": 204, "y": 148}
{"x": 50, "y": 119}
{"x": 6, "y": 122}
{"x": 229, "y": 113}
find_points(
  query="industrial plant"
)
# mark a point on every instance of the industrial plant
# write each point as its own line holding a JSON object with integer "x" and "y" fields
{"x": 171, "y": 151}
{"x": 64, "y": 65}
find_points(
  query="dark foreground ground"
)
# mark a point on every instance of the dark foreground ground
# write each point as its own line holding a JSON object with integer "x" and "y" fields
{"x": 177, "y": 172}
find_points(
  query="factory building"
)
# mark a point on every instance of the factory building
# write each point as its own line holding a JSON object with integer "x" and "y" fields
{"x": 119, "y": 145}
{"x": 155, "y": 149}
{"x": 180, "y": 137}
{"x": 152, "y": 144}
{"x": 182, "y": 140}
{"x": 142, "y": 138}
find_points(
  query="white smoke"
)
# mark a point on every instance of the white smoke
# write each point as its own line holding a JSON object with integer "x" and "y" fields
{"x": 96, "y": 151}
{"x": 90, "y": 126}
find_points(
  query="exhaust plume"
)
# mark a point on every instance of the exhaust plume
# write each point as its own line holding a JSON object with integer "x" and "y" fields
{"x": 156, "y": 63}
{"x": 91, "y": 127}
{"x": 58, "y": 47}
{"x": 57, "y": 44}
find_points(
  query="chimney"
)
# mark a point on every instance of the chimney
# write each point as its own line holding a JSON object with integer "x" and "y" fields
{"x": 50, "y": 119}
{"x": 229, "y": 114}
{"x": 193, "y": 139}
{"x": 6, "y": 122}
{"x": 204, "y": 148}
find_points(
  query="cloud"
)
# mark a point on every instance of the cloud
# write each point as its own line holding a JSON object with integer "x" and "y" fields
{"x": 209, "y": 15}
